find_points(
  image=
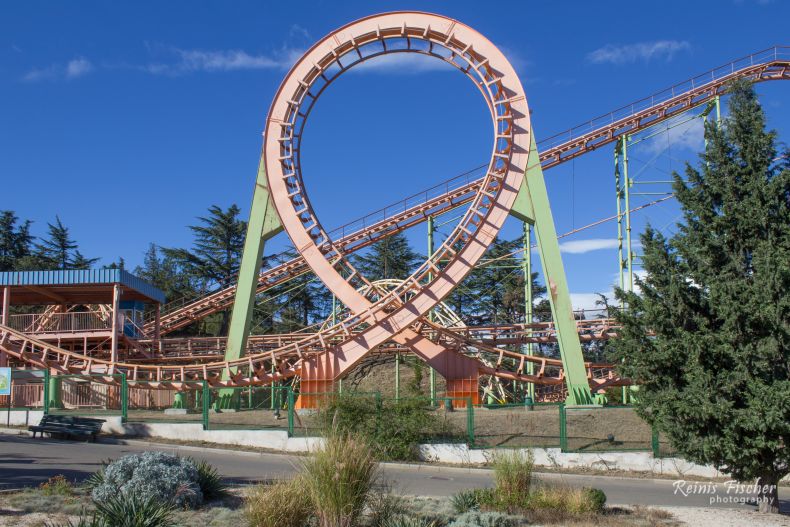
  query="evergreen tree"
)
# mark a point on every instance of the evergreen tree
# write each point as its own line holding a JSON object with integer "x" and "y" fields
{"x": 215, "y": 257}
{"x": 707, "y": 338}
{"x": 15, "y": 241}
{"x": 60, "y": 251}
{"x": 216, "y": 253}
{"x": 164, "y": 272}
{"x": 391, "y": 257}
{"x": 493, "y": 293}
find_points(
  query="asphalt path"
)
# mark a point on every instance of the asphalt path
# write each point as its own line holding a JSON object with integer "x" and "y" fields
{"x": 26, "y": 462}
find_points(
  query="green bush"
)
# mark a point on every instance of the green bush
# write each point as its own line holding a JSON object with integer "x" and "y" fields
{"x": 125, "y": 510}
{"x": 282, "y": 504}
{"x": 596, "y": 499}
{"x": 209, "y": 480}
{"x": 475, "y": 500}
{"x": 393, "y": 428}
{"x": 338, "y": 478}
{"x": 133, "y": 510}
{"x": 512, "y": 477}
{"x": 483, "y": 519}
{"x": 564, "y": 499}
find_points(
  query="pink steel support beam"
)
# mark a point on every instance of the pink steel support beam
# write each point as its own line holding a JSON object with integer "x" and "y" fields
{"x": 389, "y": 317}
{"x": 4, "y": 321}
{"x": 116, "y": 297}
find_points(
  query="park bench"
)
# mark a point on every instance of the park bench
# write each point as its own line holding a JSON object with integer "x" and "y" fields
{"x": 68, "y": 426}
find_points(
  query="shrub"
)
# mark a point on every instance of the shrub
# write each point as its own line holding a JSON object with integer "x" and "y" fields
{"x": 152, "y": 476}
{"x": 465, "y": 501}
{"x": 56, "y": 485}
{"x": 569, "y": 500}
{"x": 282, "y": 504}
{"x": 408, "y": 423}
{"x": 483, "y": 519}
{"x": 338, "y": 478}
{"x": 131, "y": 509}
{"x": 596, "y": 499}
{"x": 125, "y": 510}
{"x": 209, "y": 480}
{"x": 513, "y": 477}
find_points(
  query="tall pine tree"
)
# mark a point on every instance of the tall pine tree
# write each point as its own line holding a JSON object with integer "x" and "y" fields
{"x": 707, "y": 337}
{"x": 391, "y": 257}
{"x": 59, "y": 251}
{"x": 15, "y": 241}
{"x": 215, "y": 257}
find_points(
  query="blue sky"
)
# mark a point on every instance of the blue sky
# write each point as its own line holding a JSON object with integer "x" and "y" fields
{"x": 129, "y": 119}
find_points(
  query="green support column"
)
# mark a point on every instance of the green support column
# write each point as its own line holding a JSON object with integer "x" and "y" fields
{"x": 334, "y": 321}
{"x": 263, "y": 224}
{"x": 619, "y": 196}
{"x": 54, "y": 393}
{"x": 532, "y": 206}
{"x": 397, "y": 375}
{"x": 526, "y": 263}
{"x": 432, "y": 372}
{"x": 627, "y": 206}
{"x": 178, "y": 400}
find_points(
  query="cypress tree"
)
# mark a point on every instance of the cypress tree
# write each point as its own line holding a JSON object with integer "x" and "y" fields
{"x": 707, "y": 336}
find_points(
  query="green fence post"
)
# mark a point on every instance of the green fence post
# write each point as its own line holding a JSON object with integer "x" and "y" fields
{"x": 124, "y": 398}
{"x": 654, "y": 443}
{"x": 46, "y": 392}
{"x": 563, "y": 429}
{"x": 470, "y": 422}
{"x": 206, "y": 403}
{"x": 290, "y": 412}
{"x": 379, "y": 407}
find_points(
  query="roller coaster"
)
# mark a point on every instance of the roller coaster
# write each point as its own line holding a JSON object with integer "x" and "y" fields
{"x": 407, "y": 315}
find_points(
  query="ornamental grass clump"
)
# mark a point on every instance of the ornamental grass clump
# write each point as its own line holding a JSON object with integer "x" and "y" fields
{"x": 338, "y": 478}
{"x": 281, "y": 504}
{"x": 156, "y": 476}
{"x": 512, "y": 477}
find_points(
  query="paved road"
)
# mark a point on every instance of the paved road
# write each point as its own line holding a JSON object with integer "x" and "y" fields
{"x": 28, "y": 462}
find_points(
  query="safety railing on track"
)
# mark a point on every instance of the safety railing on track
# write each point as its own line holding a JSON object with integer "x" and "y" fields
{"x": 73, "y": 322}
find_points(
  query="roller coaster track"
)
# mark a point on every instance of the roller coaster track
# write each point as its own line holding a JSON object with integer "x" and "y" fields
{"x": 257, "y": 367}
{"x": 286, "y": 357}
{"x": 769, "y": 64}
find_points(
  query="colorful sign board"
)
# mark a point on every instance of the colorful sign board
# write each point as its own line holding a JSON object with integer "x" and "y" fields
{"x": 5, "y": 381}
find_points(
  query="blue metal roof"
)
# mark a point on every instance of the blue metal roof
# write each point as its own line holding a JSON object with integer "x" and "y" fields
{"x": 82, "y": 277}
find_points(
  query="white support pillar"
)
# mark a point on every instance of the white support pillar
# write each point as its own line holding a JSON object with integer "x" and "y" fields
{"x": 116, "y": 297}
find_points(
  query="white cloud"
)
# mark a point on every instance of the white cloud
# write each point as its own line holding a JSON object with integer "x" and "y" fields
{"x": 400, "y": 63}
{"x": 411, "y": 63}
{"x": 689, "y": 136}
{"x": 78, "y": 67}
{"x": 585, "y": 246}
{"x": 644, "y": 51}
{"x": 71, "y": 70}
{"x": 195, "y": 60}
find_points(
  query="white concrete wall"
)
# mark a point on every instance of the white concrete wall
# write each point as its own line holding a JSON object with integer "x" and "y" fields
{"x": 20, "y": 417}
{"x": 554, "y": 458}
{"x": 454, "y": 454}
